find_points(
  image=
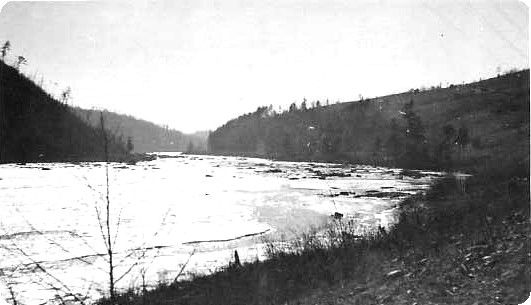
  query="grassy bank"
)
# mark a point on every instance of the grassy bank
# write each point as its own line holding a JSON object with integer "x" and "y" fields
{"x": 459, "y": 243}
{"x": 452, "y": 247}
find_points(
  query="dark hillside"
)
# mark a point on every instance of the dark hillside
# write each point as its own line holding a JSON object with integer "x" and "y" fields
{"x": 441, "y": 127}
{"x": 145, "y": 136}
{"x": 36, "y": 127}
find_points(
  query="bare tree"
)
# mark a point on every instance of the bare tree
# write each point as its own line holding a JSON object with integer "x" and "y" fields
{"x": 107, "y": 238}
{"x": 21, "y": 60}
{"x": 106, "y": 227}
{"x": 66, "y": 95}
{"x": 43, "y": 277}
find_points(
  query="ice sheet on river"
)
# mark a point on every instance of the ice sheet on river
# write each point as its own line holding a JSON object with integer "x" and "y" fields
{"x": 49, "y": 213}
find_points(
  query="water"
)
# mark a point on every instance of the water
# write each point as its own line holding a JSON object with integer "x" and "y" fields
{"x": 162, "y": 211}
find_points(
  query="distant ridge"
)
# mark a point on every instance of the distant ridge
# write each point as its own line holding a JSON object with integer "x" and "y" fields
{"x": 146, "y": 136}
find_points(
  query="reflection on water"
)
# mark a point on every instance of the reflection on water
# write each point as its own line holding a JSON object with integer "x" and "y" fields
{"x": 163, "y": 210}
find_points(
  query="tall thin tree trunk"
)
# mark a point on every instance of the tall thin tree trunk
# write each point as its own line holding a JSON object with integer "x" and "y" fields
{"x": 3, "y": 127}
{"x": 108, "y": 225}
{"x": 108, "y": 211}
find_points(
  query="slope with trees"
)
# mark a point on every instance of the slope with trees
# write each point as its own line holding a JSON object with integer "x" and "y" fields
{"x": 34, "y": 126}
{"x": 433, "y": 128}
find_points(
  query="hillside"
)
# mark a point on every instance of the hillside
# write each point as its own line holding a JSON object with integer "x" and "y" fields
{"x": 464, "y": 241}
{"x": 440, "y": 127}
{"x": 145, "y": 136}
{"x": 36, "y": 127}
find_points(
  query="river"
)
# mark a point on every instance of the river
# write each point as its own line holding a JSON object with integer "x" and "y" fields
{"x": 164, "y": 210}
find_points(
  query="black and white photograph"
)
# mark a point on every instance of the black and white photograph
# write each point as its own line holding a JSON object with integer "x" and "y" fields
{"x": 262, "y": 152}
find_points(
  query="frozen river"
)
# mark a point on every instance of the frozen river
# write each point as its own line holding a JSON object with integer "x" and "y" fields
{"x": 163, "y": 210}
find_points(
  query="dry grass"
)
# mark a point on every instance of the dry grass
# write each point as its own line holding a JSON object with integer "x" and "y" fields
{"x": 436, "y": 228}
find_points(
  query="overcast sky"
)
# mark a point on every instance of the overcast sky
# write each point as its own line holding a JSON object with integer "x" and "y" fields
{"x": 193, "y": 65}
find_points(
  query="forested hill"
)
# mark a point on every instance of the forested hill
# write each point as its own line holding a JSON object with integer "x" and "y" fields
{"x": 146, "y": 136}
{"x": 34, "y": 126}
{"x": 436, "y": 128}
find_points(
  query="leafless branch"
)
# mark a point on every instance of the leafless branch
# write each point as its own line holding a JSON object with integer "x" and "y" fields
{"x": 12, "y": 293}
{"x": 42, "y": 269}
{"x": 184, "y": 266}
{"x": 101, "y": 226}
{"x": 143, "y": 246}
{"x": 117, "y": 227}
{"x": 53, "y": 242}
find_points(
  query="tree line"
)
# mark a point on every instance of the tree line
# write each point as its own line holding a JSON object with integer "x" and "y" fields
{"x": 358, "y": 133}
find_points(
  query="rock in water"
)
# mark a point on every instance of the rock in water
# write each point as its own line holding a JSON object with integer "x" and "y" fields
{"x": 337, "y": 215}
{"x": 395, "y": 274}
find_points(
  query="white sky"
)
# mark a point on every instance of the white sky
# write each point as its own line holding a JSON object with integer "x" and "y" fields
{"x": 196, "y": 64}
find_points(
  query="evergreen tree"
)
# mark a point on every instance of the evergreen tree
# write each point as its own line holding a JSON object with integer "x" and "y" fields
{"x": 130, "y": 145}
{"x": 303, "y": 105}
{"x": 415, "y": 140}
{"x": 449, "y": 133}
{"x": 5, "y": 48}
{"x": 462, "y": 137}
{"x": 444, "y": 150}
{"x": 462, "y": 140}
{"x": 190, "y": 148}
{"x": 293, "y": 107}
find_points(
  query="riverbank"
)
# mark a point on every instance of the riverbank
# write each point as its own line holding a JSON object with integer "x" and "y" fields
{"x": 132, "y": 158}
{"x": 468, "y": 247}
{"x": 321, "y": 158}
{"x": 458, "y": 243}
